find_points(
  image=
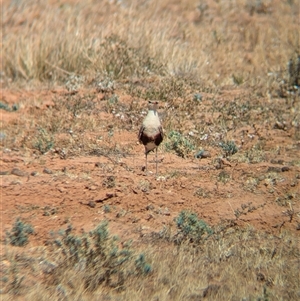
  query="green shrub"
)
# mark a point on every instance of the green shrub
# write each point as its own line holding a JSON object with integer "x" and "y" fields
{"x": 18, "y": 236}
{"x": 99, "y": 257}
{"x": 178, "y": 143}
{"x": 44, "y": 141}
{"x": 191, "y": 228}
{"x": 142, "y": 265}
{"x": 229, "y": 147}
{"x": 6, "y": 107}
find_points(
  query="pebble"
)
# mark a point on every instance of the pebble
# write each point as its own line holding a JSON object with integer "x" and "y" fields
{"x": 47, "y": 171}
{"x": 202, "y": 154}
{"x": 18, "y": 172}
{"x": 92, "y": 204}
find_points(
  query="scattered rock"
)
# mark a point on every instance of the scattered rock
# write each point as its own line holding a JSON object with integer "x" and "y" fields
{"x": 18, "y": 172}
{"x": 285, "y": 168}
{"x": 4, "y": 172}
{"x": 203, "y": 154}
{"x": 106, "y": 197}
{"x": 92, "y": 204}
{"x": 274, "y": 169}
{"x": 150, "y": 207}
{"x": 280, "y": 125}
{"x": 34, "y": 173}
{"x": 47, "y": 171}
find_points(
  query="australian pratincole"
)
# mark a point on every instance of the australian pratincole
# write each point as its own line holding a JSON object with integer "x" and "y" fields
{"x": 151, "y": 132}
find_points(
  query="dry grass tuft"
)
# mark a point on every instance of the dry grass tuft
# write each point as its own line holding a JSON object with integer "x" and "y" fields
{"x": 227, "y": 73}
{"x": 217, "y": 44}
{"x": 227, "y": 263}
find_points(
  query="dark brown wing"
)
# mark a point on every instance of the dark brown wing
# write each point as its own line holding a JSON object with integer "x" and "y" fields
{"x": 141, "y": 134}
{"x": 159, "y": 137}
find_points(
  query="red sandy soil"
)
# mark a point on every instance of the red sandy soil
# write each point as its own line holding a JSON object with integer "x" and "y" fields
{"x": 78, "y": 192}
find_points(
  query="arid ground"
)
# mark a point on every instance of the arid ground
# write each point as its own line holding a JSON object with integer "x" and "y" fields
{"x": 75, "y": 84}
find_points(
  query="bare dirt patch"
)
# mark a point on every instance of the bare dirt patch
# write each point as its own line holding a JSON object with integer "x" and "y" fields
{"x": 55, "y": 189}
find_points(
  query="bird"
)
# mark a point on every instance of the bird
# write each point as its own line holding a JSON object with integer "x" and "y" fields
{"x": 151, "y": 131}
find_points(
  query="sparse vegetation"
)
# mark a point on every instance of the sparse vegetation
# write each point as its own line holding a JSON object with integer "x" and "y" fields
{"x": 75, "y": 81}
{"x": 18, "y": 235}
{"x": 44, "y": 141}
{"x": 229, "y": 148}
{"x": 191, "y": 228}
{"x": 99, "y": 259}
{"x": 84, "y": 266}
{"x": 7, "y": 108}
{"x": 181, "y": 145}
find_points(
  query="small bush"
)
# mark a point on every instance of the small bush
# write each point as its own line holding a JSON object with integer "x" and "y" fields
{"x": 142, "y": 265}
{"x": 180, "y": 144}
{"x": 229, "y": 147}
{"x": 18, "y": 236}
{"x": 191, "y": 228}
{"x": 97, "y": 255}
{"x": 44, "y": 141}
{"x": 7, "y": 108}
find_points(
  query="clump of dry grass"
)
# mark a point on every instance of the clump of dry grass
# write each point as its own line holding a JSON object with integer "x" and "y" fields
{"x": 223, "y": 262}
{"x": 217, "y": 43}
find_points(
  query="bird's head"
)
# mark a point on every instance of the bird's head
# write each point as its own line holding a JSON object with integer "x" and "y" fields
{"x": 153, "y": 104}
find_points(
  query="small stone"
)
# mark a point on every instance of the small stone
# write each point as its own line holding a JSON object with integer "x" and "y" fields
{"x": 92, "y": 204}
{"x": 280, "y": 125}
{"x": 274, "y": 169}
{"x": 202, "y": 154}
{"x": 47, "y": 171}
{"x": 285, "y": 168}
{"x": 34, "y": 173}
{"x": 18, "y": 172}
{"x": 150, "y": 207}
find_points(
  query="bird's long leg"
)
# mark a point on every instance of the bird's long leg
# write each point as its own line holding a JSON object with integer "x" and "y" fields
{"x": 156, "y": 160}
{"x": 146, "y": 161}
